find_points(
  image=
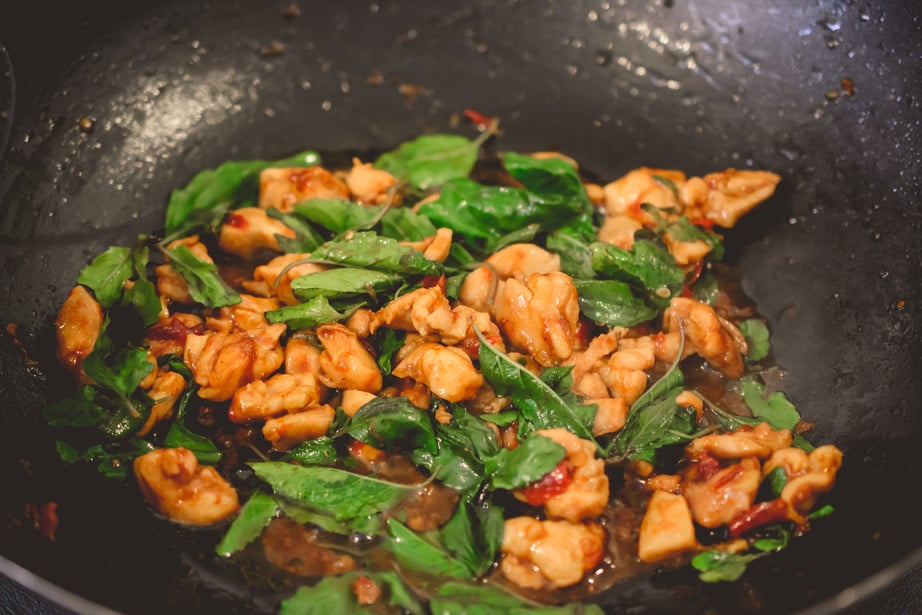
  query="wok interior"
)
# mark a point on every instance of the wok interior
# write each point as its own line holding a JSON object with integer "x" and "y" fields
{"x": 831, "y": 260}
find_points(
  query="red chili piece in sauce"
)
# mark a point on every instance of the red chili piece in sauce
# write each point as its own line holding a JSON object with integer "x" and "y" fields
{"x": 759, "y": 514}
{"x": 553, "y": 483}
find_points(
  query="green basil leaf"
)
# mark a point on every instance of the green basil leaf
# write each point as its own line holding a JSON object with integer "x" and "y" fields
{"x": 213, "y": 187}
{"x": 501, "y": 419}
{"x": 431, "y": 160}
{"x": 205, "y": 283}
{"x": 775, "y": 409}
{"x": 343, "y": 283}
{"x": 388, "y": 341}
{"x": 706, "y": 289}
{"x": 112, "y": 460}
{"x": 143, "y": 296}
{"x": 457, "y": 598}
{"x": 527, "y": 463}
{"x": 107, "y": 274}
{"x": 369, "y": 250}
{"x": 756, "y": 334}
{"x": 342, "y": 494}
{"x": 539, "y": 404}
{"x": 415, "y": 553}
{"x": 473, "y": 535}
{"x": 391, "y": 423}
{"x": 306, "y": 238}
{"x": 645, "y": 263}
{"x": 549, "y": 178}
{"x": 180, "y": 435}
{"x": 774, "y": 538}
{"x": 249, "y": 523}
{"x": 682, "y": 229}
{"x": 715, "y": 565}
{"x": 337, "y": 215}
{"x": 822, "y": 511}
{"x": 776, "y": 481}
{"x": 334, "y": 595}
{"x": 575, "y": 255}
{"x": 406, "y": 225}
{"x": 612, "y": 303}
{"x": 319, "y": 451}
{"x": 313, "y": 312}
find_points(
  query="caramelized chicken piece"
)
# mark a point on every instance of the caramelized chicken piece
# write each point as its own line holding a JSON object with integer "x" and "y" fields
{"x": 726, "y": 196}
{"x": 268, "y": 280}
{"x": 619, "y": 229}
{"x": 354, "y": 399}
{"x": 809, "y": 475}
{"x": 168, "y": 335}
{"x": 165, "y": 391}
{"x": 520, "y": 260}
{"x": 263, "y": 399}
{"x": 759, "y": 442}
{"x": 291, "y": 429}
{"x": 587, "y": 493}
{"x": 667, "y": 529}
{"x": 435, "y": 247}
{"x": 77, "y": 327}
{"x": 345, "y": 362}
{"x": 686, "y": 252}
{"x": 713, "y": 338}
{"x": 248, "y": 315}
{"x": 171, "y": 286}
{"x": 540, "y": 316}
{"x": 447, "y": 371}
{"x": 549, "y": 554}
{"x": 610, "y": 415}
{"x": 283, "y": 188}
{"x": 643, "y": 185}
{"x": 223, "y": 362}
{"x": 719, "y": 498}
{"x": 371, "y": 186}
{"x": 249, "y": 230}
{"x": 173, "y": 483}
{"x": 292, "y": 547}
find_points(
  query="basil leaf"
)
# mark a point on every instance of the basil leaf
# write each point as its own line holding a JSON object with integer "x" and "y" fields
{"x": 369, "y": 525}
{"x": 342, "y": 494}
{"x": 529, "y": 462}
{"x": 112, "y": 460}
{"x": 575, "y": 255}
{"x": 539, "y": 404}
{"x": 143, "y": 296}
{"x": 768, "y": 543}
{"x": 822, "y": 511}
{"x": 706, "y": 288}
{"x": 107, "y": 274}
{"x": 319, "y": 451}
{"x": 305, "y": 239}
{"x": 645, "y": 263}
{"x": 653, "y": 426}
{"x": 549, "y": 178}
{"x": 455, "y": 467}
{"x": 776, "y": 480}
{"x": 180, "y": 435}
{"x": 612, "y": 303}
{"x": 113, "y": 416}
{"x": 334, "y": 595}
{"x": 313, "y": 312}
{"x": 388, "y": 341}
{"x": 716, "y": 565}
{"x": 255, "y": 515}
{"x": 391, "y": 423}
{"x": 406, "y": 225}
{"x": 213, "y": 187}
{"x": 775, "y": 409}
{"x": 371, "y": 251}
{"x": 756, "y": 334}
{"x": 431, "y": 160}
{"x": 337, "y": 215}
{"x": 345, "y": 282}
{"x": 205, "y": 283}
{"x": 414, "y": 553}
{"x": 473, "y": 535}
{"x": 501, "y": 419}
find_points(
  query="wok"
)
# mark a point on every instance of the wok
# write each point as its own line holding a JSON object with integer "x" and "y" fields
{"x": 119, "y": 102}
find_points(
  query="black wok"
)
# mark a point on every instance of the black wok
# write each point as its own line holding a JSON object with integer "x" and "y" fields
{"x": 165, "y": 89}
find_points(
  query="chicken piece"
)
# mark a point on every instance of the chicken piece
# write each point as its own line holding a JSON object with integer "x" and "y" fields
{"x": 610, "y": 415}
{"x": 587, "y": 363}
{"x": 365, "y": 590}
{"x": 479, "y": 289}
{"x": 809, "y": 475}
{"x": 291, "y": 429}
{"x": 686, "y": 252}
{"x": 249, "y": 230}
{"x": 174, "y": 484}
{"x": 168, "y": 335}
{"x": 283, "y": 188}
{"x": 636, "y": 353}
{"x": 302, "y": 357}
{"x": 263, "y": 399}
{"x": 165, "y": 391}
{"x": 619, "y": 229}
{"x": 627, "y": 194}
{"x": 436, "y": 247}
{"x": 371, "y": 186}
{"x": 77, "y": 327}
{"x": 713, "y": 338}
{"x": 759, "y": 442}
{"x": 730, "y": 491}
{"x": 248, "y": 315}
{"x": 270, "y": 280}
{"x": 345, "y": 362}
{"x": 549, "y": 554}
{"x": 587, "y": 493}
{"x": 520, "y": 260}
{"x": 667, "y": 529}
{"x": 223, "y": 362}
{"x": 354, "y": 399}
{"x": 171, "y": 285}
{"x": 427, "y": 312}
{"x": 730, "y": 194}
{"x": 540, "y": 316}
{"x": 626, "y": 384}
{"x": 447, "y": 371}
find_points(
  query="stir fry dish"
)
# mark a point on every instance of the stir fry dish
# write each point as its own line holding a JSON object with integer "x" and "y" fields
{"x": 443, "y": 379}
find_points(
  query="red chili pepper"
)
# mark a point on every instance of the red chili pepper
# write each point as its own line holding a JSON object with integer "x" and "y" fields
{"x": 429, "y": 281}
{"x": 760, "y": 514}
{"x": 686, "y": 292}
{"x": 477, "y": 118}
{"x": 705, "y": 223}
{"x": 708, "y": 466}
{"x": 553, "y": 483}
{"x": 695, "y": 274}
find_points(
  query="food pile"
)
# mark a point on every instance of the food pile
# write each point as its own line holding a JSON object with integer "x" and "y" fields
{"x": 444, "y": 378}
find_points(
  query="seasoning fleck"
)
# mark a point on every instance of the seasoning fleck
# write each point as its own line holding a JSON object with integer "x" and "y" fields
{"x": 86, "y": 124}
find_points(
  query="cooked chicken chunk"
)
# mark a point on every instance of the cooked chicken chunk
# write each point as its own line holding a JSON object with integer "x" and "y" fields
{"x": 291, "y": 429}
{"x": 249, "y": 230}
{"x": 345, "y": 362}
{"x": 713, "y": 338}
{"x": 173, "y": 483}
{"x": 587, "y": 494}
{"x": 667, "y": 529}
{"x": 371, "y": 186}
{"x": 719, "y": 498}
{"x": 283, "y": 188}
{"x": 447, "y": 371}
{"x": 77, "y": 327}
{"x": 549, "y": 554}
